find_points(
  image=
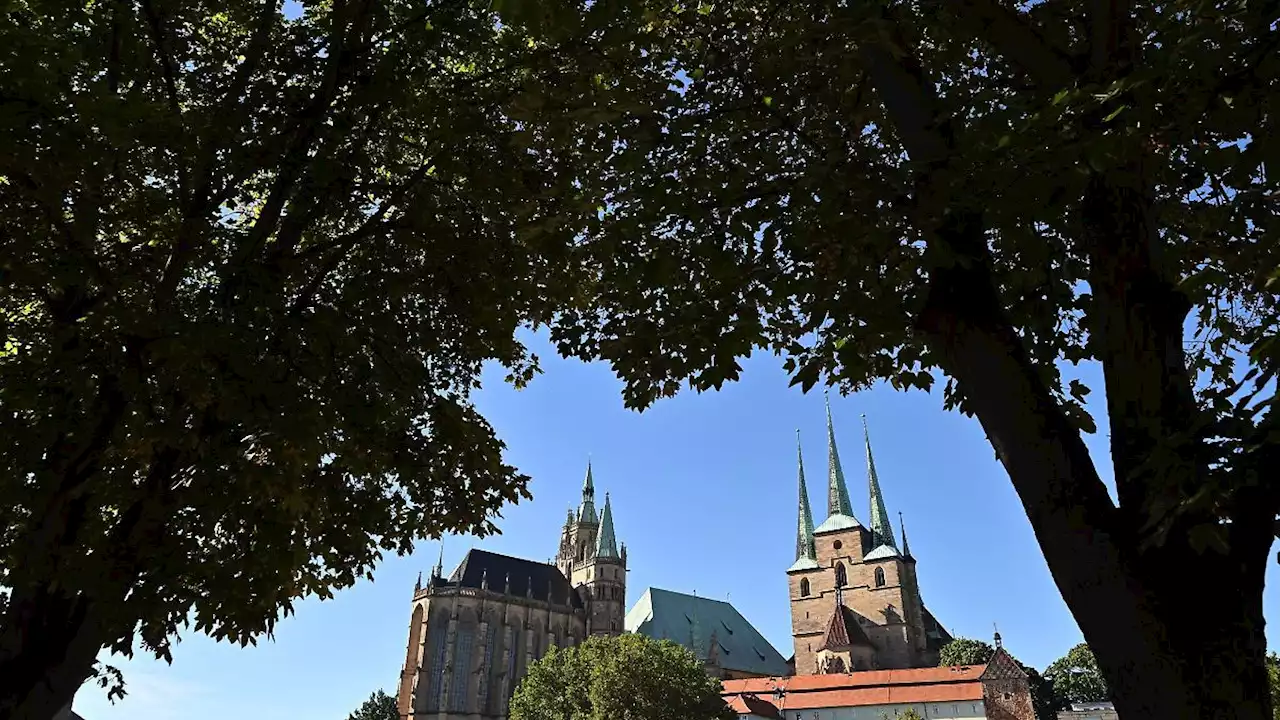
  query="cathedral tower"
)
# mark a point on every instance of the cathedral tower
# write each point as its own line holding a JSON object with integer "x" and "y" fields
{"x": 855, "y": 603}
{"x": 595, "y": 563}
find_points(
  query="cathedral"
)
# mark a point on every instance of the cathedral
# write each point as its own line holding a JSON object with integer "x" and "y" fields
{"x": 473, "y": 635}
{"x": 855, "y": 603}
{"x": 855, "y": 606}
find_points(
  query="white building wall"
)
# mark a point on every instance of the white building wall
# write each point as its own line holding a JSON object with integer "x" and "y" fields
{"x": 967, "y": 710}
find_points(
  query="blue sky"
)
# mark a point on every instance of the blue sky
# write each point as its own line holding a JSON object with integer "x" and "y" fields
{"x": 703, "y": 490}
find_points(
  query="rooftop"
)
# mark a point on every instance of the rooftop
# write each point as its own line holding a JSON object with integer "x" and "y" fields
{"x": 875, "y": 687}
{"x": 689, "y": 619}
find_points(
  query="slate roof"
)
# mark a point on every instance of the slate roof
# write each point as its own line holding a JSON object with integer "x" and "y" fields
{"x": 844, "y": 630}
{"x": 882, "y": 552}
{"x": 495, "y": 569}
{"x": 666, "y": 615}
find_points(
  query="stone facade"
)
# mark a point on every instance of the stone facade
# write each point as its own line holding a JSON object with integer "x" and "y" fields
{"x": 855, "y": 598}
{"x": 473, "y": 635}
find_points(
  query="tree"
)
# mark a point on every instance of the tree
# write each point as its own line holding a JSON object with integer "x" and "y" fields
{"x": 967, "y": 651}
{"x": 1076, "y": 677}
{"x": 1273, "y": 675}
{"x": 253, "y": 265}
{"x": 623, "y": 676}
{"x": 379, "y": 706}
{"x": 981, "y": 195}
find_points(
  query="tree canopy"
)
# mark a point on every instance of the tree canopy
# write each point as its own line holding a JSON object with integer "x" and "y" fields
{"x": 980, "y": 195}
{"x": 379, "y": 706}
{"x": 627, "y": 676}
{"x": 253, "y": 263}
{"x": 1076, "y": 677}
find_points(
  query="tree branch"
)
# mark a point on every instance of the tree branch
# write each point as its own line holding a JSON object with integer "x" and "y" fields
{"x": 1016, "y": 37}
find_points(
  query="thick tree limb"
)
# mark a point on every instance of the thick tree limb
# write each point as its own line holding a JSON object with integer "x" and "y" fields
{"x": 1015, "y": 36}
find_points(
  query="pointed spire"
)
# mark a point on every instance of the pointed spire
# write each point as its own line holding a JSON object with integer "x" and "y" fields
{"x": 906, "y": 549}
{"x": 804, "y": 523}
{"x": 417, "y": 587}
{"x": 587, "y": 510}
{"x": 438, "y": 570}
{"x": 606, "y": 543}
{"x": 881, "y": 530}
{"x": 837, "y": 492}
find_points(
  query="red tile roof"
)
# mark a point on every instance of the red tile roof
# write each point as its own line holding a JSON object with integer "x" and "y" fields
{"x": 875, "y": 687}
{"x": 751, "y": 705}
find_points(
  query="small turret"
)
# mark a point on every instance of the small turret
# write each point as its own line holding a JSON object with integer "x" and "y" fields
{"x": 587, "y": 510}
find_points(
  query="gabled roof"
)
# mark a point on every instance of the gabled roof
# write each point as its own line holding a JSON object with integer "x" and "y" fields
{"x": 689, "y": 619}
{"x": 874, "y": 687}
{"x": 1003, "y": 667}
{"x": 526, "y": 578}
{"x": 844, "y": 631}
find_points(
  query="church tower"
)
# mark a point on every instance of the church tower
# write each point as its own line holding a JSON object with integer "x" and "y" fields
{"x": 855, "y": 604}
{"x": 594, "y": 562}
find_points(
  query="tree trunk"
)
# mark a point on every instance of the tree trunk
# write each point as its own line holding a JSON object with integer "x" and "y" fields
{"x": 47, "y": 650}
{"x": 1178, "y": 634}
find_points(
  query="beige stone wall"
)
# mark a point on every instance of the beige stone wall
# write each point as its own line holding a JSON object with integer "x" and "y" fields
{"x": 894, "y": 608}
{"x": 1008, "y": 700}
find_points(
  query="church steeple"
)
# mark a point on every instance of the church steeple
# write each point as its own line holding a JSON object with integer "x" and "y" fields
{"x": 881, "y": 530}
{"x": 587, "y": 510}
{"x": 606, "y": 543}
{"x": 806, "y": 554}
{"x": 837, "y": 492}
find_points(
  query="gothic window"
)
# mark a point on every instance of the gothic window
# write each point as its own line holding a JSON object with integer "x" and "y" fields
{"x": 879, "y": 577}
{"x": 804, "y": 587}
{"x": 842, "y": 578}
{"x": 514, "y": 651}
{"x": 461, "y": 670}
{"x": 487, "y": 668}
{"x": 436, "y": 635}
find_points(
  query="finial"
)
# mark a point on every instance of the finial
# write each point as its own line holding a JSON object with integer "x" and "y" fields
{"x": 418, "y": 585}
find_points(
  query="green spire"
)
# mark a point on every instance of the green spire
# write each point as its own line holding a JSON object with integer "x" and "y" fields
{"x": 881, "y": 530}
{"x": 804, "y": 526}
{"x": 606, "y": 543}
{"x": 906, "y": 549}
{"x": 837, "y": 492}
{"x": 587, "y": 510}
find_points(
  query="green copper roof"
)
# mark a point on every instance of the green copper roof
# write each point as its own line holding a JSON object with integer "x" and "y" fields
{"x": 694, "y": 622}
{"x": 837, "y": 492}
{"x": 587, "y": 510}
{"x": 881, "y": 530}
{"x": 606, "y": 543}
{"x": 805, "y": 549}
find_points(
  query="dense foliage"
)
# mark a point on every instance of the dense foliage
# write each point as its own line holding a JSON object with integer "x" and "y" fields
{"x": 1076, "y": 677}
{"x": 627, "y": 676}
{"x": 379, "y": 706}
{"x": 980, "y": 194}
{"x": 253, "y": 262}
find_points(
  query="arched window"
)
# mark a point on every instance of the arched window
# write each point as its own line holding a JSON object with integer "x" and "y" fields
{"x": 842, "y": 579}
{"x": 804, "y": 587}
{"x": 879, "y": 577}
